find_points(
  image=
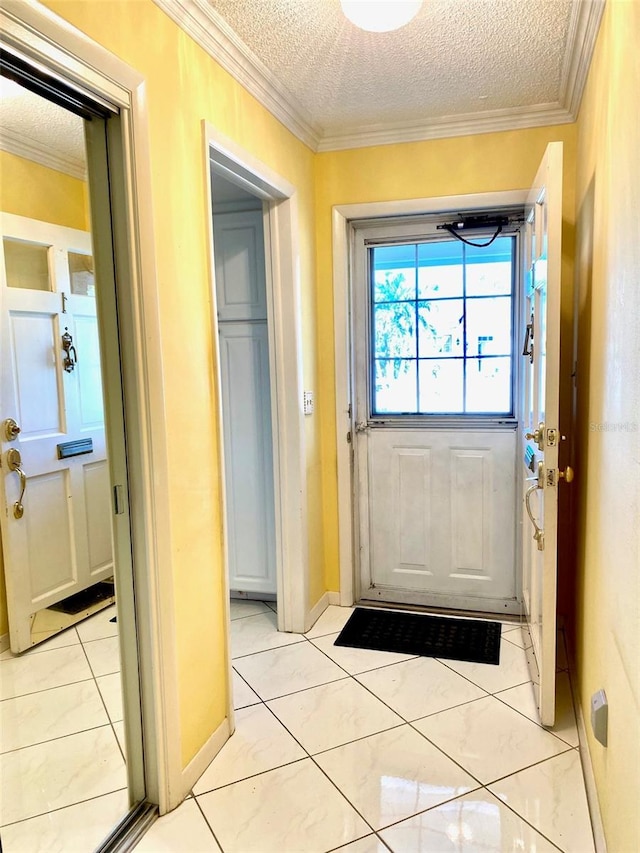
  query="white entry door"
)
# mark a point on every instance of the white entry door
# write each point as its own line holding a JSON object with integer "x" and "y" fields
{"x": 56, "y": 513}
{"x": 435, "y": 427}
{"x": 541, "y": 435}
{"x": 246, "y": 401}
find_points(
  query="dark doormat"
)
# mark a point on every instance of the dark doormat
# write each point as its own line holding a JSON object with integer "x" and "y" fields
{"x": 420, "y": 634}
{"x": 85, "y": 598}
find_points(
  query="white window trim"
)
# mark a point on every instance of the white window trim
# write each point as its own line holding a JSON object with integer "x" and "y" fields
{"x": 343, "y": 229}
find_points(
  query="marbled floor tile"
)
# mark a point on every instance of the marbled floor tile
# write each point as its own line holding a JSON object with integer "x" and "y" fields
{"x": 511, "y": 670}
{"x": 420, "y": 687}
{"x": 61, "y": 772}
{"x": 258, "y": 634}
{"x": 333, "y": 714}
{"x": 286, "y": 670}
{"x": 514, "y": 635}
{"x": 259, "y": 743}
{"x": 552, "y": 797}
{"x": 99, "y": 626}
{"x": 58, "y": 641}
{"x": 104, "y": 655}
{"x": 32, "y": 673}
{"x": 245, "y": 607}
{"x": 370, "y": 844}
{"x": 182, "y": 830}
{"x": 332, "y": 620}
{"x": 292, "y": 808}
{"x": 393, "y": 775}
{"x": 49, "y": 714}
{"x": 489, "y": 739}
{"x": 522, "y": 699}
{"x": 243, "y": 695}
{"x": 356, "y": 660}
{"x": 110, "y": 687}
{"x": 119, "y": 730}
{"x": 74, "y": 829}
{"x": 475, "y": 823}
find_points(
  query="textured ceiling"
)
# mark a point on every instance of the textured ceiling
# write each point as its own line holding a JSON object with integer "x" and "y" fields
{"x": 35, "y": 128}
{"x": 457, "y": 57}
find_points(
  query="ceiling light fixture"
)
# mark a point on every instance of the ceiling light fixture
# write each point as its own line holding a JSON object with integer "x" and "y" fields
{"x": 380, "y": 16}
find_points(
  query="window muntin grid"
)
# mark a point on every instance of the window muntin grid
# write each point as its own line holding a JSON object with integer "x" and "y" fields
{"x": 441, "y": 320}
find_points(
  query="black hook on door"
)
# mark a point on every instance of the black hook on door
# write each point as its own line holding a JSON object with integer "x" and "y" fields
{"x": 71, "y": 357}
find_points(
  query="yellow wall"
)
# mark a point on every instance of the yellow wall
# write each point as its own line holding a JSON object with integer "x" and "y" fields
{"x": 28, "y": 189}
{"x": 469, "y": 164}
{"x": 183, "y": 86}
{"x": 607, "y": 631}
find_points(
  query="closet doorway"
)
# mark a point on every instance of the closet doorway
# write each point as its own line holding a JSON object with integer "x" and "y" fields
{"x": 240, "y": 236}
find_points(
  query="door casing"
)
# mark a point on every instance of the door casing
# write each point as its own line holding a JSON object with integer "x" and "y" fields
{"x": 344, "y": 217}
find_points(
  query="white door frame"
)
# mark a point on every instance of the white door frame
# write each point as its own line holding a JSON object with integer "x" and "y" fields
{"x": 343, "y": 241}
{"x": 38, "y": 36}
{"x": 285, "y": 356}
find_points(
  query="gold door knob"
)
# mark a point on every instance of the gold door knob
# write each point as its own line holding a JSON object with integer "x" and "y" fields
{"x": 566, "y": 475}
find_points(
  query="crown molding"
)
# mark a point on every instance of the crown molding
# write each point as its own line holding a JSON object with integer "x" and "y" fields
{"x": 584, "y": 25}
{"x": 216, "y": 37}
{"x": 446, "y": 127}
{"x": 31, "y": 149}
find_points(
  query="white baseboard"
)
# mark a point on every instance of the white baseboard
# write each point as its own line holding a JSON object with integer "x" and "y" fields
{"x": 320, "y": 606}
{"x": 203, "y": 758}
{"x": 4, "y": 643}
{"x": 591, "y": 789}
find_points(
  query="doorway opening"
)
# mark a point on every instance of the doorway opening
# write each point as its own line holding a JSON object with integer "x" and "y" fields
{"x": 435, "y": 417}
{"x": 241, "y": 247}
{"x": 257, "y": 334}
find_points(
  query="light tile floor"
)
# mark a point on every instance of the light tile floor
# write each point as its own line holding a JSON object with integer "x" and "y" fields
{"x": 367, "y": 752}
{"x": 63, "y": 780}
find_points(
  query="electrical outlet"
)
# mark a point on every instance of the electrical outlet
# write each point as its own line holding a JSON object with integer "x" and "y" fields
{"x": 308, "y": 402}
{"x": 600, "y": 716}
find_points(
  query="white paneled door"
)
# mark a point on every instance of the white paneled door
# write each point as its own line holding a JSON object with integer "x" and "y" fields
{"x": 441, "y": 512}
{"x": 246, "y": 400}
{"x": 56, "y": 517}
{"x": 540, "y": 421}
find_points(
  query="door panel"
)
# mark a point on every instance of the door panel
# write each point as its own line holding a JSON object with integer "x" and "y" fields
{"x": 244, "y": 356}
{"x": 239, "y": 258}
{"x": 36, "y": 376}
{"x": 97, "y": 507}
{"x": 541, "y": 434}
{"x": 51, "y": 559}
{"x": 438, "y": 523}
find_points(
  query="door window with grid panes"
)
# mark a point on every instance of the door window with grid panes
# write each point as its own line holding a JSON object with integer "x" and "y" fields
{"x": 441, "y": 328}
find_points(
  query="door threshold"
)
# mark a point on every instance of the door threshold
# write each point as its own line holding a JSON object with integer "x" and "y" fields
{"x": 515, "y": 618}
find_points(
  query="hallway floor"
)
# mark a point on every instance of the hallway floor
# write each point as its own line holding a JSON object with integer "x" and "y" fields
{"x": 63, "y": 779}
{"x": 370, "y": 752}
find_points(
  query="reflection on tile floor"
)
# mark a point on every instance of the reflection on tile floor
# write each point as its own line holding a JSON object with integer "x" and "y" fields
{"x": 62, "y": 772}
{"x": 366, "y": 752}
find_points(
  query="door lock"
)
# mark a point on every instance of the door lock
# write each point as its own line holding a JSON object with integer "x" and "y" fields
{"x": 11, "y": 429}
{"x": 537, "y": 436}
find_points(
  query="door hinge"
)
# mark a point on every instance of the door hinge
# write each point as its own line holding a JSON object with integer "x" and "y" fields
{"x": 349, "y": 437}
